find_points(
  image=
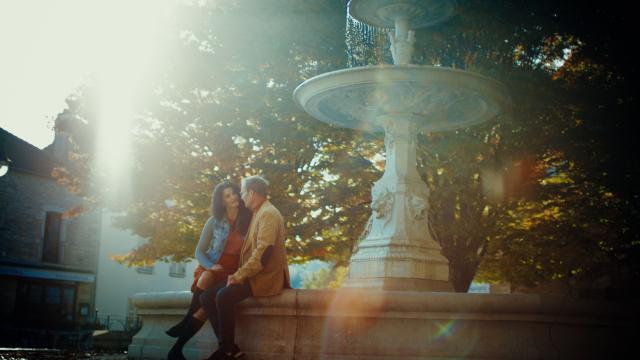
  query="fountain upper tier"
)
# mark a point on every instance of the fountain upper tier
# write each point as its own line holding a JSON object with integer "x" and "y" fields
{"x": 385, "y": 13}
{"x": 436, "y": 98}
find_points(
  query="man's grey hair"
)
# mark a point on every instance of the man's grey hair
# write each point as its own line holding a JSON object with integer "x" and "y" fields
{"x": 256, "y": 183}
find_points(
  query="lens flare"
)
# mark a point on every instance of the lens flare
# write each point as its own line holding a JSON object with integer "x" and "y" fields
{"x": 444, "y": 329}
{"x": 350, "y": 320}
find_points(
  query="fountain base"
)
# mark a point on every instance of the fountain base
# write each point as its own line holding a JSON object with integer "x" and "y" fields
{"x": 399, "y": 264}
{"x": 353, "y": 324}
{"x": 399, "y": 284}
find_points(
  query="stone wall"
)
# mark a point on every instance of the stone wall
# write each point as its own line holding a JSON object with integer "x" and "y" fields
{"x": 24, "y": 201}
{"x": 26, "y": 280}
{"x": 370, "y": 324}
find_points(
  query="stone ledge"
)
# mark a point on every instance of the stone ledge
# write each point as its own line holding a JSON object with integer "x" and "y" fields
{"x": 362, "y": 324}
{"x": 343, "y": 301}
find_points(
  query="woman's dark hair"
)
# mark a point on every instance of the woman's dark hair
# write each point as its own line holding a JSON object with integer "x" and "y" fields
{"x": 218, "y": 210}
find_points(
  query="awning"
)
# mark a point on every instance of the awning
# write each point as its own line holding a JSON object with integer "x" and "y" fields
{"x": 46, "y": 274}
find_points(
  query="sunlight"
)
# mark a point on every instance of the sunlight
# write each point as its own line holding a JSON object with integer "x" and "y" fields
{"x": 125, "y": 63}
{"x": 55, "y": 47}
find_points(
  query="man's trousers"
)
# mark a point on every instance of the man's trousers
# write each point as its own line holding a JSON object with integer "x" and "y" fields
{"x": 219, "y": 302}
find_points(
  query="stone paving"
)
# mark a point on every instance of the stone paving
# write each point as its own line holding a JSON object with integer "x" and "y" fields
{"x": 53, "y": 354}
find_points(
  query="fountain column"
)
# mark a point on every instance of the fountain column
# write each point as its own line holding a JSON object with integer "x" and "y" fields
{"x": 398, "y": 252}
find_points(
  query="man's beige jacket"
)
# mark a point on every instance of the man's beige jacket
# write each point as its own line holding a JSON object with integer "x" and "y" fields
{"x": 266, "y": 229}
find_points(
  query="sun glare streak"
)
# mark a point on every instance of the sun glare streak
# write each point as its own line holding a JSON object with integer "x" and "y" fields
{"x": 124, "y": 65}
{"x": 53, "y": 47}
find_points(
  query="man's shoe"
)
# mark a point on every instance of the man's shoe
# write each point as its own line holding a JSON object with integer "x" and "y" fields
{"x": 217, "y": 355}
{"x": 234, "y": 354}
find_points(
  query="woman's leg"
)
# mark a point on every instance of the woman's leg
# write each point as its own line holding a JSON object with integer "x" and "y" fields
{"x": 204, "y": 280}
{"x": 198, "y": 314}
{"x": 185, "y": 330}
{"x": 193, "y": 320}
{"x": 185, "y": 323}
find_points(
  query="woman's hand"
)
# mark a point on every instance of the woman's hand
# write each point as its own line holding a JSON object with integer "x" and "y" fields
{"x": 217, "y": 267}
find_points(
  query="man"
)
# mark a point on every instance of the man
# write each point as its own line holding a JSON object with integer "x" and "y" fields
{"x": 263, "y": 267}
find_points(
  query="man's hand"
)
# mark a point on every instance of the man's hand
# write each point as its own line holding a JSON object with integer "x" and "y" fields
{"x": 232, "y": 281}
{"x": 216, "y": 267}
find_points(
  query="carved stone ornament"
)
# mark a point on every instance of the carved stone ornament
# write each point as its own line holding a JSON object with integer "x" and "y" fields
{"x": 417, "y": 207}
{"x": 382, "y": 204}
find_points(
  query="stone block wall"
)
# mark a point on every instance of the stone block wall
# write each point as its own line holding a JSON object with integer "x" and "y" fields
{"x": 349, "y": 324}
{"x": 24, "y": 201}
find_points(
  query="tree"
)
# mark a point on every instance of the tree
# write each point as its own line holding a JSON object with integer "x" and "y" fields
{"x": 559, "y": 217}
{"x": 537, "y": 194}
{"x": 326, "y": 278}
{"x": 224, "y": 109}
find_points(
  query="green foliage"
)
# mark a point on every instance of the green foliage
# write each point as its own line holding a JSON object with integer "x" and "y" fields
{"x": 546, "y": 191}
{"x": 223, "y": 109}
{"x": 541, "y": 194}
{"x": 326, "y": 278}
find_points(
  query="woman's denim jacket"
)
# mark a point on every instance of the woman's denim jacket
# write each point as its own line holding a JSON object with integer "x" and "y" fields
{"x": 212, "y": 241}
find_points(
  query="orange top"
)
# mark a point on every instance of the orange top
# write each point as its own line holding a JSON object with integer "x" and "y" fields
{"x": 234, "y": 241}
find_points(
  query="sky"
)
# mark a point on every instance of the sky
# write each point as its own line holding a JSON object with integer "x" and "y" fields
{"x": 50, "y": 47}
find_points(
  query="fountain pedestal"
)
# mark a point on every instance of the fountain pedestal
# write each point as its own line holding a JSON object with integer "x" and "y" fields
{"x": 398, "y": 252}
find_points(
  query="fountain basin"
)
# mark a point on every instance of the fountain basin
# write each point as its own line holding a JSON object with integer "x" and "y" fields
{"x": 437, "y": 98}
{"x": 385, "y": 13}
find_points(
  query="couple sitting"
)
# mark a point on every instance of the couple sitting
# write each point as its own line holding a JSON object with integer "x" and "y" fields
{"x": 241, "y": 253}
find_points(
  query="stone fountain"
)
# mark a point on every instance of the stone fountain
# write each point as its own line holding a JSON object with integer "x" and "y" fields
{"x": 380, "y": 314}
{"x": 397, "y": 252}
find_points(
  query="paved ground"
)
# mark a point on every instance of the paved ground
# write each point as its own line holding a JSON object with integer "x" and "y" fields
{"x": 48, "y": 354}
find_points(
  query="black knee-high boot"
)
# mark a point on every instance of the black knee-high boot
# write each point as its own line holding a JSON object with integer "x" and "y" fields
{"x": 176, "y": 351}
{"x": 185, "y": 324}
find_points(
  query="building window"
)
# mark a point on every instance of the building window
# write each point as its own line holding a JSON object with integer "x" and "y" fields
{"x": 145, "y": 269}
{"x": 35, "y": 294}
{"x": 68, "y": 299}
{"x": 177, "y": 269}
{"x": 83, "y": 309}
{"x": 44, "y": 304}
{"x": 51, "y": 243}
{"x": 53, "y": 295}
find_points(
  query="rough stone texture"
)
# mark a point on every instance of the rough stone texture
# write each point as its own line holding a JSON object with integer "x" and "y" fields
{"x": 366, "y": 324}
{"x": 25, "y": 197}
{"x": 24, "y": 200}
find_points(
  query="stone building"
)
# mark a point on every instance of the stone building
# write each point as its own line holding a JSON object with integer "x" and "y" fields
{"x": 48, "y": 261}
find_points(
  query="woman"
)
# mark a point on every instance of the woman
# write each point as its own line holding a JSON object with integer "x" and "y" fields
{"x": 218, "y": 255}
